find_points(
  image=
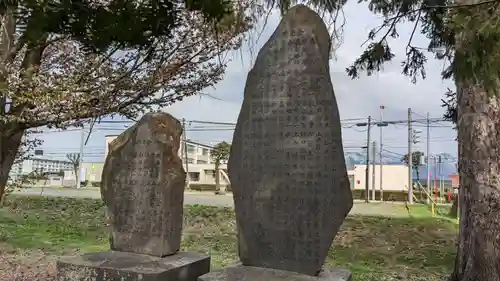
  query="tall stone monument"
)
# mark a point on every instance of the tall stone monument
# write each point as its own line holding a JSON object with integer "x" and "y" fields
{"x": 287, "y": 167}
{"x": 143, "y": 188}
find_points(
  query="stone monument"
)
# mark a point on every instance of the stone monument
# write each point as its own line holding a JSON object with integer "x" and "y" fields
{"x": 143, "y": 188}
{"x": 287, "y": 168}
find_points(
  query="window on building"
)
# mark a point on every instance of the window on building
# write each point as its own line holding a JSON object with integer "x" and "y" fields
{"x": 205, "y": 151}
{"x": 191, "y": 148}
{"x": 190, "y": 161}
{"x": 194, "y": 176}
{"x": 201, "y": 162}
{"x": 209, "y": 173}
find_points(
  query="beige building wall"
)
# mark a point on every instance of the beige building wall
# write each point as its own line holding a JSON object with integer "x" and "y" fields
{"x": 93, "y": 171}
{"x": 395, "y": 177}
{"x": 205, "y": 174}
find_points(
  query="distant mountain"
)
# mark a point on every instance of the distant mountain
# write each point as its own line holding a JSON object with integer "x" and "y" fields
{"x": 354, "y": 158}
{"x": 357, "y": 158}
{"x": 446, "y": 167}
{"x": 446, "y": 157}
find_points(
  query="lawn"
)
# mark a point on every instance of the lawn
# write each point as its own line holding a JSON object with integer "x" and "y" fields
{"x": 35, "y": 230}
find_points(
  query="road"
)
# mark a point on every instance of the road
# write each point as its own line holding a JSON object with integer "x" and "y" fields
{"x": 209, "y": 199}
{"x": 190, "y": 198}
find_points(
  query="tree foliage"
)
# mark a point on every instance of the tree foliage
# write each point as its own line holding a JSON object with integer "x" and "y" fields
{"x": 69, "y": 84}
{"x": 101, "y": 24}
{"x": 63, "y": 63}
{"x": 220, "y": 152}
{"x": 442, "y": 22}
{"x": 416, "y": 161}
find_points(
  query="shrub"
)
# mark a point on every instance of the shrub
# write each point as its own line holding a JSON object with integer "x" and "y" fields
{"x": 206, "y": 187}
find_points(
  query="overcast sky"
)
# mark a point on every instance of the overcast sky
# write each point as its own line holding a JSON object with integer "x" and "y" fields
{"x": 356, "y": 98}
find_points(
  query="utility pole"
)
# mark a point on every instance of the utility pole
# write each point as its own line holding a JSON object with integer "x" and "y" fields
{"x": 441, "y": 191}
{"x": 184, "y": 138}
{"x": 410, "y": 160}
{"x": 80, "y": 160}
{"x": 381, "y": 164}
{"x": 427, "y": 160}
{"x": 435, "y": 180}
{"x": 367, "y": 171}
{"x": 374, "y": 151}
{"x": 415, "y": 139}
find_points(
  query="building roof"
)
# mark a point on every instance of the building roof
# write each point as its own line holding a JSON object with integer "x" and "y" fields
{"x": 50, "y": 160}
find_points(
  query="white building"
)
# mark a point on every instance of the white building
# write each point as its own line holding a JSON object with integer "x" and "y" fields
{"x": 197, "y": 153}
{"x": 395, "y": 177}
{"x": 39, "y": 165}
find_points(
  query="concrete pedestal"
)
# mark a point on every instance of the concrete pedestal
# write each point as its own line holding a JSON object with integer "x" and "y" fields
{"x": 249, "y": 273}
{"x": 122, "y": 266}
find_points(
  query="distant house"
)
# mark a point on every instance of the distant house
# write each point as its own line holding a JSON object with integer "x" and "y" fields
{"x": 455, "y": 180}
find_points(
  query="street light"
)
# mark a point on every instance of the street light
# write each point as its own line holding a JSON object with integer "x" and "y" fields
{"x": 369, "y": 124}
{"x": 381, "y": 164}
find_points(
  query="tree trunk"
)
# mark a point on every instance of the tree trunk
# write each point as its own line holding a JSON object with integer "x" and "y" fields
{"x": 9, "y": 145}
{"x": 217, "y": 178}
{"x": 478, "y": 253}
{"x": 454, "y": 208}
{"x": 77, "y": 175}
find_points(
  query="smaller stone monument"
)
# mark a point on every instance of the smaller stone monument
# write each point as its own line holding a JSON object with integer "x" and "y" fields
{"x": 287, "y": 168}
{"x": 143, "y": 188}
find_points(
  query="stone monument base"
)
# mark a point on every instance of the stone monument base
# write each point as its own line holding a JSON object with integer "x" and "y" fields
{"x": 250, "y": 273}
{"x": 122, "y": 266}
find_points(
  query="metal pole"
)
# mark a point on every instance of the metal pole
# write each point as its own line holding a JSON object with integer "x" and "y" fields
{"x": 381, "y": 164}
{"x": 440, "y": 180}
{"x": 427, "y": 160}
{"x": 435, "y": 181}
{"x": 367, "y": 183}
{"x": 374, "y": 151}
{"x": 80, "y": 160}
{"x": 410, "y": 159}
{"x": 184, "y": 139}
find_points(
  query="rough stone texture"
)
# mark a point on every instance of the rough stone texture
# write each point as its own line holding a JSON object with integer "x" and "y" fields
{"x": 121, "y": 266}
{"x": 249, "y": 273}
{"x": 287, "y": 168}
{"x": 143, "y": 187}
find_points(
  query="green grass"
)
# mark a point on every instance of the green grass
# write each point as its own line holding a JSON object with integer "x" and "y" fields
{"x": 373, "y": 248}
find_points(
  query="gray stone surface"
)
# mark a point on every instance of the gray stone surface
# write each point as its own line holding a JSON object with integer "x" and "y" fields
{"x": 143, "y": 187}
{"x": 249, "y": 273}
{"x": 287, "y": 168}
{"x": 122, "y": 266}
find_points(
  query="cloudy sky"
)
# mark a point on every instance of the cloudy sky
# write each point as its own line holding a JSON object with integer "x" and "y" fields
{"x": 356, "y": 98}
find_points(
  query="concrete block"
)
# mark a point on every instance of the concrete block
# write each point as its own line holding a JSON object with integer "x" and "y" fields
{"x": 250, "y": 273}
{"x": 123, "y": 266}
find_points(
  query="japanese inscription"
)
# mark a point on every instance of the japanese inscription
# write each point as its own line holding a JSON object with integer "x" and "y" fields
{"x": 287, "y": 167}
{"x": 143, "y": 185}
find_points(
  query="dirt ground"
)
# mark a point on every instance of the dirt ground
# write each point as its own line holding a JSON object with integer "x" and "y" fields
{"x": 385, "y": 209}
{"x": 29, "y": 266}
